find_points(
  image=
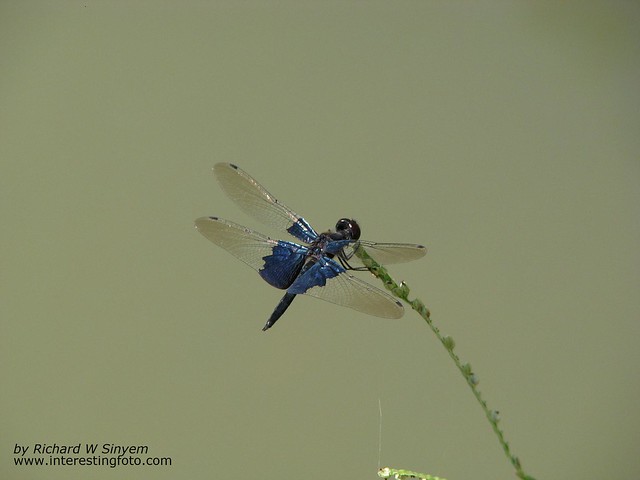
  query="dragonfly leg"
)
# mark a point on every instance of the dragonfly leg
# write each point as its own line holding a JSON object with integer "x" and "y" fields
{"x": 344, "y": 261}
{"x": 282, "y": 306}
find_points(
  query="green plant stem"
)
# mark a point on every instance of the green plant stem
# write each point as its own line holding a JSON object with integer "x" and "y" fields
{"x": 399, "y": 474}
{"x": 402, "y": 292}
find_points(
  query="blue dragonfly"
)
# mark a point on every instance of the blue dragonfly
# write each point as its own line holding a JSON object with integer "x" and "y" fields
{"x": 319, "y": 267}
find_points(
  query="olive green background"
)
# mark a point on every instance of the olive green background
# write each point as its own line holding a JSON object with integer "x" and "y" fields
{"x": 502, "y": 135}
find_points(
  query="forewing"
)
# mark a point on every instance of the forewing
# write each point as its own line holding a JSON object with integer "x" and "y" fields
{"x": 278, "y": 262}
{"x": 388, "y": 253}
{"x": 256, "y": 201}
{"x": 327, "y": 280}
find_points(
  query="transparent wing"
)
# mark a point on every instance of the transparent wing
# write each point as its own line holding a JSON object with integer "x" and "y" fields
{"x": 387, "y": 253}
{"x": 256, "y": 201}
{"x": 328, "y": 281}
{"x": 277, "y": 262}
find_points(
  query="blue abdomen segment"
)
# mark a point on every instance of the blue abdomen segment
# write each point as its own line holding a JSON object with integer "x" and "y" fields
{"x": 303, "y": 231}
{"x": 282, "y": 267}
{"x": 316, "y": 276}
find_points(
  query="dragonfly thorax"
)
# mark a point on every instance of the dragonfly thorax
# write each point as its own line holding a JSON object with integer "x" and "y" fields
{"x": 331, "y": 243}
{"x": 320, "y": 246}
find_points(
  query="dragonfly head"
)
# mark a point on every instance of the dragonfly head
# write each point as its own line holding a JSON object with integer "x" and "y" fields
{"x": 349, "y": 229}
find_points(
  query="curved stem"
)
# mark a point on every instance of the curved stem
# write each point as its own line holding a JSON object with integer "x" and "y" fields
{"x": 402, "y": 292}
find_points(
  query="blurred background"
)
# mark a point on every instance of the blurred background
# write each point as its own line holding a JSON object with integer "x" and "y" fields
{"x": 502, "y": 135}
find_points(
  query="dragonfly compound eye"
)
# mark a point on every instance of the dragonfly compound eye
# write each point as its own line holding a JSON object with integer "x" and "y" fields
{"x": 349, "y": 227}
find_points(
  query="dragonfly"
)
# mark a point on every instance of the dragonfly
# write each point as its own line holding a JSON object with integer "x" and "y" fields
{"x": 317, "y": 265}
